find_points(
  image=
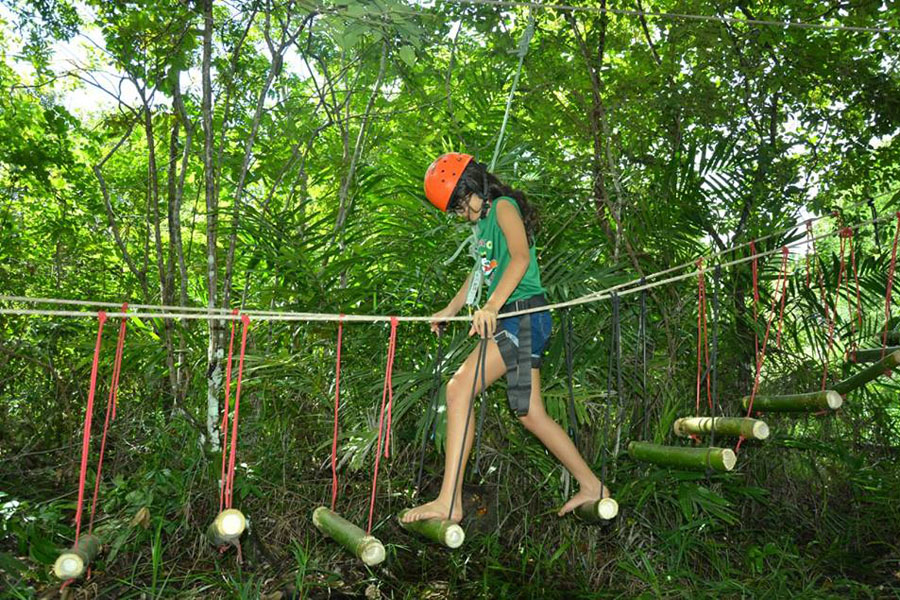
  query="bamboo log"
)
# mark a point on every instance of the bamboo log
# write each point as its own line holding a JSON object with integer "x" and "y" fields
{"x": 868, "y": 355}
{"x": 869, "y": 373}
{"x": 442, "y": 531}
{"x": 365, "y": 547}
{"x": 227, "y": 527}
{"x": 811, "y": 402}
{"x": 751, "y": 429}
{"x": 597, "y": 511}
{"x": 74, "y": 562}
{"x": 719, "y": 459}
{"x": 893, "y": 337}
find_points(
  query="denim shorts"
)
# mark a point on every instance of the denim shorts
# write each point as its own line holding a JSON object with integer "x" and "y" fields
{"x": 541, "y": 328}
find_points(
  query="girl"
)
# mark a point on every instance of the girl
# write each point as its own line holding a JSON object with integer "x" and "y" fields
{"x": 506, "y": 225}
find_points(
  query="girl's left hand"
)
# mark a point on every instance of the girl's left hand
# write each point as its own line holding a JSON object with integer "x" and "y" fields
{"x": 484, "y": 322}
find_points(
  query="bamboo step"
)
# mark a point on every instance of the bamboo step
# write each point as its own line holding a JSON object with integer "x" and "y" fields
{"x": 751, "y": 429}
{"x": 442, "y": 531}
{"x": 810, "y": 402}
{"x": 227, "y": 527}
{"x": 364, "y": 547}
{"x": 598, "y": 511}
{"x": 74, "y": 562}
{"x": 718, "y": 459}
{"x": 868, "y": 355}
{"x": 868, "y": 374}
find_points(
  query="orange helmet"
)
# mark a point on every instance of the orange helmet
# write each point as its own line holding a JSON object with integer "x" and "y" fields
{"x": 442, "y": 176}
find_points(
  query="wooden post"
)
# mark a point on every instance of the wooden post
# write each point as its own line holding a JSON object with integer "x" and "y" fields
{"x": 811, "y": 402}
{"x": 442, "y": 531}
{"x": 74, "y": 562}
{"x": 597, "y": 511}
{"x": 751, "y": 429}
{"x": 364, "y": 547}
{"x": 227, "y": 527}
{"x": 719, "y": 459}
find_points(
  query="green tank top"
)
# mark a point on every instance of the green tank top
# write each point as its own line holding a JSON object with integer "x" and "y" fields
{"x": 494, "y": 257}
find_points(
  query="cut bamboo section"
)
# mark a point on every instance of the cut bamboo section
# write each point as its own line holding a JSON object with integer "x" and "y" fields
{"x": 811, "y": 402}
{"x": 442, "y": 531}
{"x": 364, "y": 547}
{"x": 893, "y": 337}
{"x": 73, "y": 563}
{"x": 751, "y": 429}
{"x": 873, "y": 354}
{"x": 597, "y": 511}
{"x": 227, "y": 527}
{"x": 719, "y": 459}
{"x": 869, "y": 373}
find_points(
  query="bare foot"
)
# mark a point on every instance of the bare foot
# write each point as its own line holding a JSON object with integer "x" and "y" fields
{"x": 435, "y": 509}
{"x": 586, "y": 494}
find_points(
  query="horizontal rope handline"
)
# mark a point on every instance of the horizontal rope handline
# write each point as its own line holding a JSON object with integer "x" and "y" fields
{"x": 621, "y": 290}
{"x": 714, "y": 255}
{"x": 671, "y": 15}
{"x": 209, "y": 310}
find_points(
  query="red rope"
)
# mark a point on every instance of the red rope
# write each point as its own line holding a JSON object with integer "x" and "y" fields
{"x": 385, "y": 405}
{"x": 702, "y": 337}
{"x": 755, "y": 299}
{"x": 854, "y": 323}
{"x": 337, "y": 403}
{"x": 224, "y": 424}
{"x": 784, "y": 254}
{"x": 890, "y": 286}
{"x": 88, "y": 417}
{"x": 809, "y": 240}
{"x": 229, "y": 488}
{"x": 761, "y": 357}
{"x": 110, "y": 411}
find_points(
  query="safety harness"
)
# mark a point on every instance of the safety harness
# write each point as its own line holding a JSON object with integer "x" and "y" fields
{"x": 516, "y": 353}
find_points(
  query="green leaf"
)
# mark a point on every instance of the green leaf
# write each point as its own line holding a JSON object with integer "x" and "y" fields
{"x": 408, "y": 55}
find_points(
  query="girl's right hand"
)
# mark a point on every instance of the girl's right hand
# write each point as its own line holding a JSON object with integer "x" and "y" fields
{"x": 438, "y": 320}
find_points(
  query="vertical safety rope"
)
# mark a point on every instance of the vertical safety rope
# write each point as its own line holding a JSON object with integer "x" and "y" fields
{"x": 717, "y": 278}
{"x": 614, "y": 355}
{"x": 479, "y": 369}
{"x": 387, "y": 398}
{"x": 110, "y": 411}
{"x": 223, "y": 481}
{"x": 702, "y": 338}
{"x": 570, "y": 360}
{"x": 431, "y": 420}
{"x": 889, "y": 288}
{"x": 88, "y": 417}
{"x": 337, "y": 406}
{"x": 854, "y": 342}
{"x": 761, "y": 358}
{"x": 229, "y": 488}
{"x": 784, "y": 253}
{"x": 642, "y": 358}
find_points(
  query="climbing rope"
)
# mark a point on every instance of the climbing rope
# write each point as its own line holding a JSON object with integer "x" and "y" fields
{"x": 86, "y": 430}
{"x": 229, "y": 480}
{"x": 384, "y": 433}
{"x": 111, "y": 402}
{"x": 431, "y": 420}
{"x": 890, "y": 286}
{"x": 337, "y": 406}
{"x": 761, "y": 355}
{"x": 194, "y": 313}
{"x": 480, "y": 363}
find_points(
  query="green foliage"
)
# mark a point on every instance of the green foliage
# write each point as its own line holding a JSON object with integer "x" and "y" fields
{"x": 644, "y": 144}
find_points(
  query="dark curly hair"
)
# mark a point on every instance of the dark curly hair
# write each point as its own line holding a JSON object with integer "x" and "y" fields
{"x": 476, "y": 179}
